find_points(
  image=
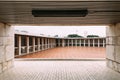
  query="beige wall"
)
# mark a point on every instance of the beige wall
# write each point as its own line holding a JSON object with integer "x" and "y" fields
{"x": 6, "y": 46}
{"x": 113, "y": 47}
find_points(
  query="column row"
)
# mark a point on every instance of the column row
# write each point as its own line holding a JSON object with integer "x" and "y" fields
{"x": 81, "y": 42}
{"x": 30, "y": 44}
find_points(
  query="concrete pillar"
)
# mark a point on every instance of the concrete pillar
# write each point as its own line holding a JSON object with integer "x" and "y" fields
{"x": 59, "y": 42}
{"x": 52, "y": 43}
{"x": 33, "y": 42}
{"x": 45, "y": 43}
{"x": 103, "y": 42}
{"x": 42, "y": 43}
{"x": 98, "y": 42}
{"x": 88, "y": 42}
{"x": 113, "y": 47}
{"x": 80, "y": 42}
{"x": 68, "y": 42}
{"x": 93, "y": 43}
{"x": 76, "y": 42}
{"x": 72, "y": 41}
{"x": 63, "y": 43}
{"x": 38, "y": 41}
{"x": 19, "y": 45}
{"x": 27, "y": 42}
{"x": 6, "y": 47}
{"x": 84, "y": 42}
{"x": 48, "y": 43}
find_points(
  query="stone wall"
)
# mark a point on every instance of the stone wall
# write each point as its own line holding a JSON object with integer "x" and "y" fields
{"x": 113, "y": 47}
{"x": 6, "y": 47}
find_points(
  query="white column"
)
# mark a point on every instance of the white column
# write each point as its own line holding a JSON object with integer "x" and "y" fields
{"x": 68, "y": 43}
{"x": 55, "y": 42}
{"x": 93, "y": 43}
{"x": 38, "y": 39}
{"x": 45, "y": 43}
{"x": 103, "y": 42}
{"x": 84, "y": 42}
{"x": 63, "y": 43}
{"x": 33, "y": 38}
{"x": 89, "y": 42}
{"x": 42, "y": 43}
{"x": 6, "y": 47}
{"x": 98, "y": 43}
{"x": 72, "y": 41}
{"x": 52, "y": 43}
{"x": 59, "y": 42}
{"x": 19, "y": 45}
{"x": 76, "y": 42}
{"x": 80, "y": 42}
{"x": 48, "y": 43}
{"x": 27, "y": 42}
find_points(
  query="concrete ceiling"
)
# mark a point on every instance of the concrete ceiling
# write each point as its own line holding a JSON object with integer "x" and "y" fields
{"x": 101, "y": 12}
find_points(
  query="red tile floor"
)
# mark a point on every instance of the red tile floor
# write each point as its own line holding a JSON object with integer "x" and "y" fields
{"x": 69, "y": 53}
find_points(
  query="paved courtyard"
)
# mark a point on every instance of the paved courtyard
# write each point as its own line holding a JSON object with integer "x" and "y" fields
{"x": 60, "y": 70}
{"x": 69, "y": 53}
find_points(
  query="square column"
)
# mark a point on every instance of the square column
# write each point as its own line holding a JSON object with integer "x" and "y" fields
{"x": 84, "y": 42}
{"x": 68, "y": 43}
{"x": 45, "y": 43}
{"x": 19, "y": 45}
{"x": 63, "y": 43}
{"x": 80, "y": 42}
{"x": 33, "y": 43}
{"x": 27, "y": 42}
{"x": 38, "y": 39}
{"x": 113, "y": 47}
{"x": 93, "y": 43}
{"x": 75, "y": 42}
{"x": 42, "y": 43}
{"x": 48, "y": 43}
{"x": 103, "y": 42}
{"x": 88, "y": 42}
{"x": 52, "y": 43}
{"x": 59, "y": 42}
{"x": 72, "y": 41}
{"x": 98, "y": 43}
{"x": 6, "y": 47}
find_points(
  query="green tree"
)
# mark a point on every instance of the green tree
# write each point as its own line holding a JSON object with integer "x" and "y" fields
{"x": 92, "y": 36}
{"x": 74, "y": 36}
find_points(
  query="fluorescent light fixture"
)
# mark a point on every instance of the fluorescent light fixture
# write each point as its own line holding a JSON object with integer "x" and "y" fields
{"x": 60, "y": 13}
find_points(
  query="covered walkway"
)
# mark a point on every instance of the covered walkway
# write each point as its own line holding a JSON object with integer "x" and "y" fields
{"x": 60, "y": 70}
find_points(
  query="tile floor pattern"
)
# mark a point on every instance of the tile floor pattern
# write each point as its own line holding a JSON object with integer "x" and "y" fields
{"x": 69, "y": 53}
{"x": 60, "y": 70}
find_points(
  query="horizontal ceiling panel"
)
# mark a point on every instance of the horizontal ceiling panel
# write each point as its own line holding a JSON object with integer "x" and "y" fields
{"x": 99, "y": 12}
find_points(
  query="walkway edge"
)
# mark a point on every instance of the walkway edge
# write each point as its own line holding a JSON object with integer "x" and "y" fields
{"x": 39, "y": 59}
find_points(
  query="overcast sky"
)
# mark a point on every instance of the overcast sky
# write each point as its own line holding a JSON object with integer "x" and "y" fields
{"x": 64, "y": 30}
